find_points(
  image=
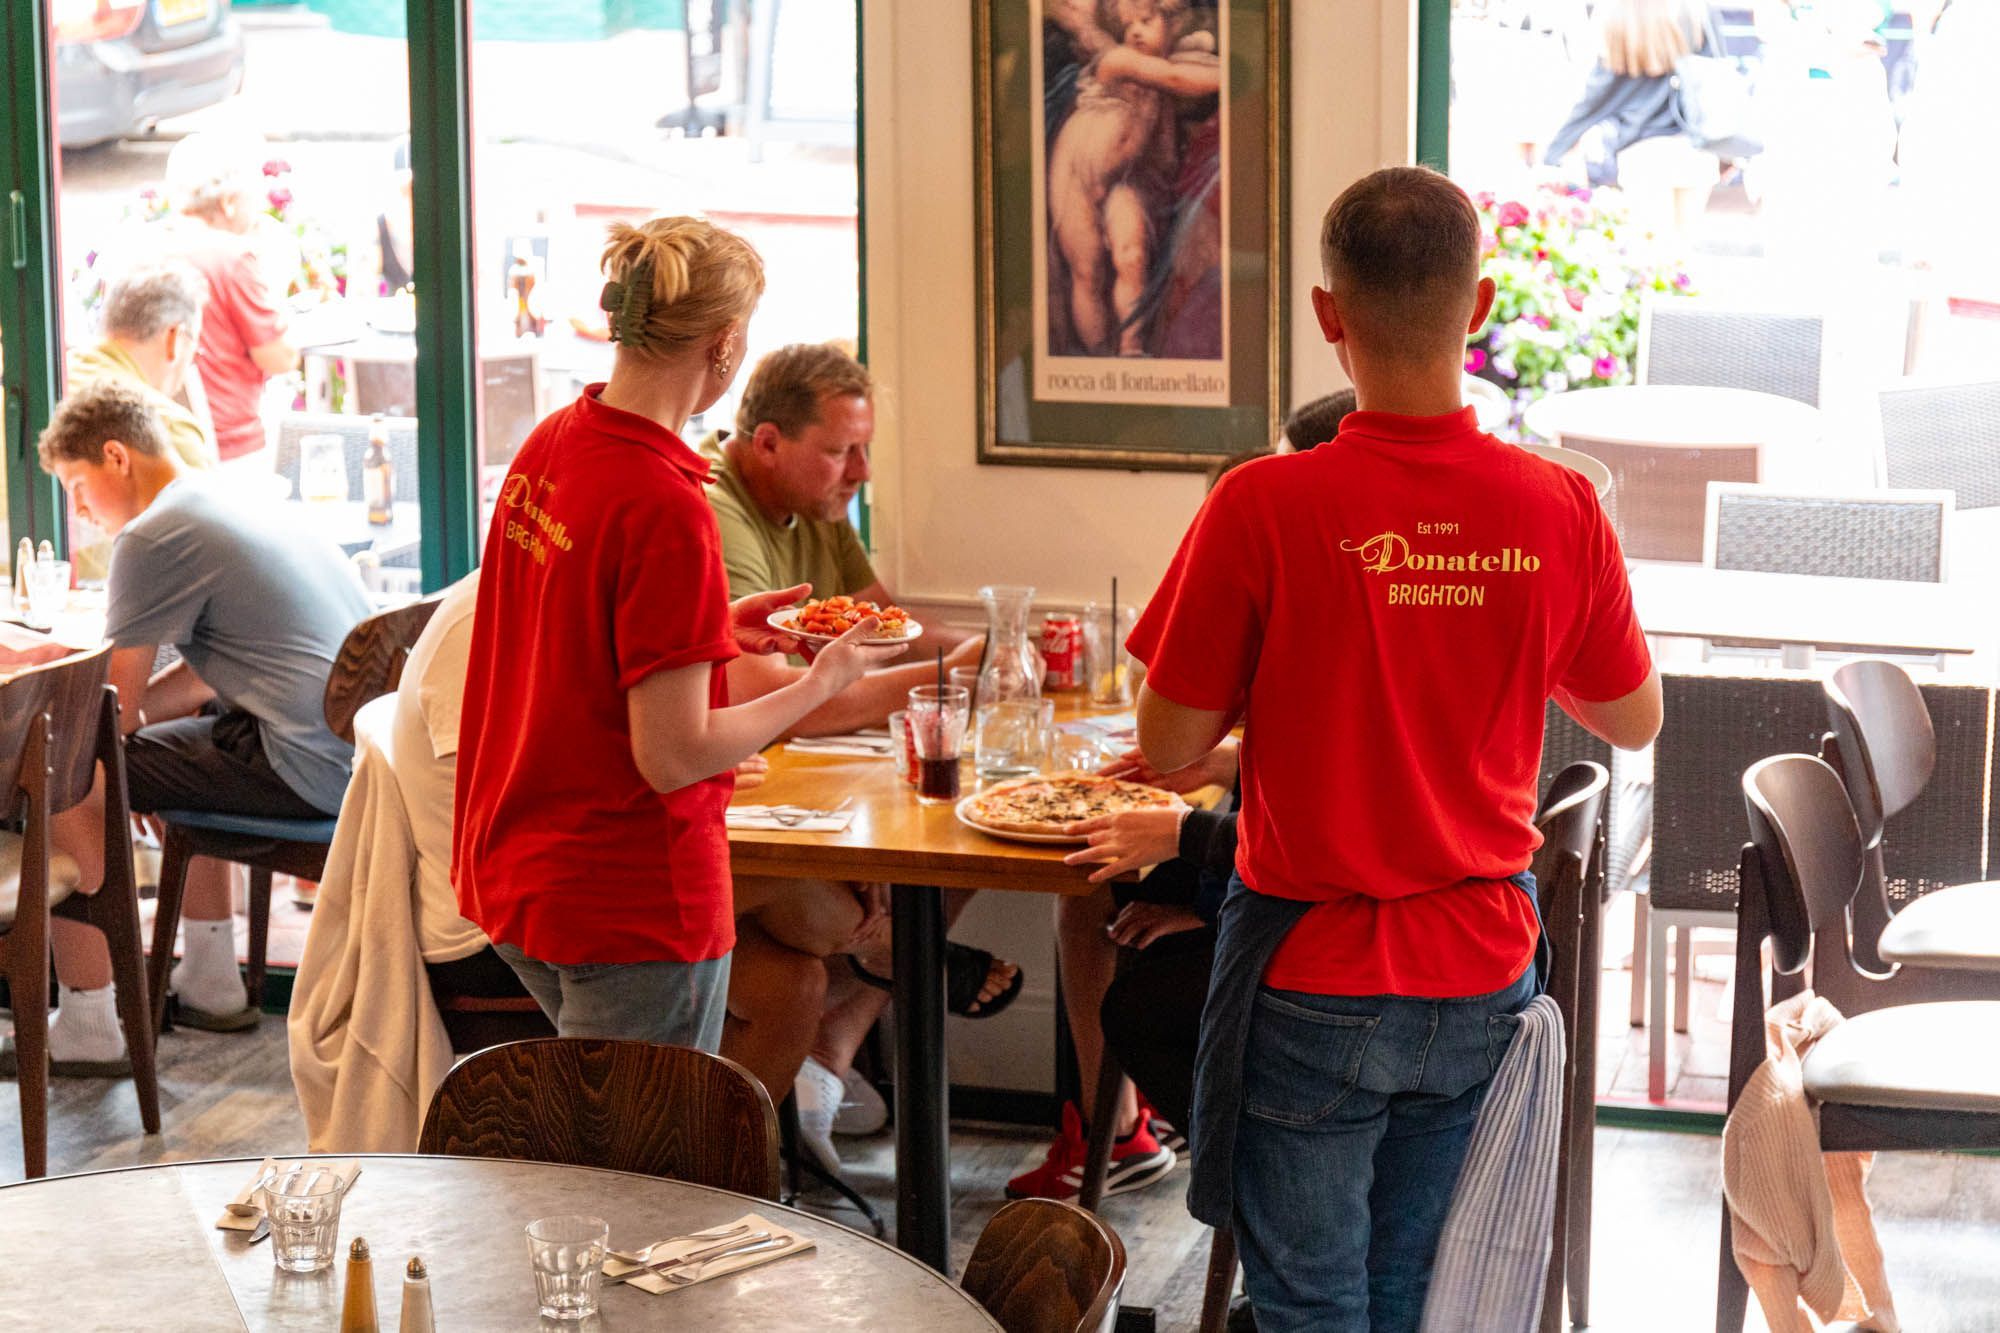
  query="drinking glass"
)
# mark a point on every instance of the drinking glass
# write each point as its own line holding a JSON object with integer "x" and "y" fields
{"x": 303, "y": 1206}
{"x": 937, "y": 718}
{"x": 48, "y": 591}
{"x": 322, "y": 468}
{"x": 903, "y": 746}
{"x": 967, "y": 679}
{"x": 1070, "y": 753}
{"x": 1107, "y": 667}
{"x": 568, "y": 1257}
{"x": 1012, "y": 737}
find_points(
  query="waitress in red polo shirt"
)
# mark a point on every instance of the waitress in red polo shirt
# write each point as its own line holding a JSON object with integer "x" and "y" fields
{"x": 597, "y": 746}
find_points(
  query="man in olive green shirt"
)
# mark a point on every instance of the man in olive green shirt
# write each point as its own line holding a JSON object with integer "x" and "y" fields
{"x": 152, "y": 321}
{"x": 783, "y": 482}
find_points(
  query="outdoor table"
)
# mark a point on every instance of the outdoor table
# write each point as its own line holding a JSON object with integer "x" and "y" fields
{"x": 1801, "y": 612}
{"x": 138, "y": 1248}
{"x": 917, "y": 848}
{"x": 1665, "y": 442}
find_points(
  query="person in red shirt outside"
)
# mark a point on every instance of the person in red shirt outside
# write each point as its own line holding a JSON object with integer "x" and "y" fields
{"x": 1386, "y": 615}
{"x": 597, "y": 743}
{"x": 215, "y": 179}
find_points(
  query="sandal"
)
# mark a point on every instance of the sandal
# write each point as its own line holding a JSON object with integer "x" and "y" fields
{"x": 965, "y": 973}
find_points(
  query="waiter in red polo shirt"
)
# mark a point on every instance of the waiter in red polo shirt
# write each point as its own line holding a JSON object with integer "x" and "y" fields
{"x": 1386, "y": 616}
{"x": 597, "y": 742}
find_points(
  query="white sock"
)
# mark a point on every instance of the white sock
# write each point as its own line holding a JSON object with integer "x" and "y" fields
{"x": 85, "y": 1026}
{"x": 206, "y": 977}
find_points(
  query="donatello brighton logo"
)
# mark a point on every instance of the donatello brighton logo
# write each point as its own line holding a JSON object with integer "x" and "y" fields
{"x": 1393, "y": 553}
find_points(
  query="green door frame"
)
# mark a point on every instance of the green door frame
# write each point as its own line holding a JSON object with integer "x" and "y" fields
{"x": 30, "y": 294}
{"x": 447, "y": 390}
{"x": 1434, "y": 83}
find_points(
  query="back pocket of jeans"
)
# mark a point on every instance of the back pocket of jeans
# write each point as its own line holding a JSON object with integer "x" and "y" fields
{"x": 1299, "y": 1064}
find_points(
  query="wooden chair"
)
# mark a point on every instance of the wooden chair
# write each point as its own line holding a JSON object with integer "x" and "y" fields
{"x": 1895, "y": 1075}
{"x": 1884, "y": 745}
{"x": 1047, "y": 1267}
{"x": 635, "y": 1106}
{"x": 57, "y": 724}
{"x": 369, "y": 665}
{"x": 1569, "y": 874}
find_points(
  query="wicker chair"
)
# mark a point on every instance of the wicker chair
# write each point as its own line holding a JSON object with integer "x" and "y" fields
{"x": 1686, "y": 342}
{"x": 353, "y": 433}
{"x": 1874, "y": 535}
{"x": 1944, "y": 436}
{"x": 1659, "y": 496}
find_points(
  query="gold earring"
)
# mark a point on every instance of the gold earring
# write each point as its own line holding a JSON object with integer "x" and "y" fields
{"x": 723, "y": 361}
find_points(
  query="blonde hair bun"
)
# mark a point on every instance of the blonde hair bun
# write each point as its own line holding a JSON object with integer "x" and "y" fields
{"x": 674, "y": 282}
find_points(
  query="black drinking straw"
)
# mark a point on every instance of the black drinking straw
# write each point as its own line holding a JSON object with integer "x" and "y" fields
{"x": 1117, "y": 648}
{"x": 940, "y": 653}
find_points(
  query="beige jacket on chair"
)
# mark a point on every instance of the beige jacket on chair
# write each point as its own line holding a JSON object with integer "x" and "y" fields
{"x": 1802, "y": 1230}
{"x": 368, "y": 1047}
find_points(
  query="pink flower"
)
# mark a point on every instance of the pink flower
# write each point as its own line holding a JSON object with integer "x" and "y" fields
{"x": 280, "y": 199}
{"x": 1475, "y": 360}
{"x": 1539, "y": 321}
{"x": 1484, "y": 199}
{"x": 277, "y": 166}
{"x": 1488, "y": 243}
{"x": 1513, "y": 214}
{"x": 1574, "y": 297}
{"x": 1682, "y": 280}
{"x": 1605, "y": 367}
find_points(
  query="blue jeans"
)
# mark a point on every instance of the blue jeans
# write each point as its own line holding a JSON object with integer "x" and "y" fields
{"x": 677, "y": 1004}
{"x": 1357, "y": 1112}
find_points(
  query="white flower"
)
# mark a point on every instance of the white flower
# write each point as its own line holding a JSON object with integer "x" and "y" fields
{"x": 1578, "y": 366}
{"x": 1555, "y": 382}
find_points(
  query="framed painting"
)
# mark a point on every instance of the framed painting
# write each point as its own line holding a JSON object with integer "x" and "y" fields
{"x": 1131, "y": 286}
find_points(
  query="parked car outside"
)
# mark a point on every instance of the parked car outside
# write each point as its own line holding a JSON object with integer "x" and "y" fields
{"x": 123, "y": 65}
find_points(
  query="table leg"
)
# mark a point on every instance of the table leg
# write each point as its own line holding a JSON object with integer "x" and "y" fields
{"x": 923, "y": 1142}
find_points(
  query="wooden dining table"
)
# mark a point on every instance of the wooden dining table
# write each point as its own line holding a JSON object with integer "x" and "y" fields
{"x": 917, "y": 849}
{"x": 138, "y": 1248}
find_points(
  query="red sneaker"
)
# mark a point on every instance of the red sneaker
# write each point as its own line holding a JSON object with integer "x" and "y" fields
{"x": 1136, "y": 1162}
{"x": 1170, "y": 1138}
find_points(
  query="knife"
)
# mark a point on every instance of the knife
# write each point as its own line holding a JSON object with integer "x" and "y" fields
{"x": 695, "y": 1257}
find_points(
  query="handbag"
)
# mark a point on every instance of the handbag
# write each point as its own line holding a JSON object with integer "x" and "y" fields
{"x": 1715, "y": 101}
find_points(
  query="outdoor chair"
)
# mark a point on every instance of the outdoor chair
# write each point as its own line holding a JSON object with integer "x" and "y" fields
{"x": 1944, "y": 437}
{"x": 1888, "y": 534}
{"x": 58, "y": 723}
{"x": 1659, "y": 496}
{"x": 666, "y": 1111}
{"x": 1893, "y": 1076}
{"x": 1041, "y": 1266}
{"x": 1685, "y": 341}
{"x": 369, "y": 665}
{"x": 1884, "y": 745}
{"x": 353, "y": 433}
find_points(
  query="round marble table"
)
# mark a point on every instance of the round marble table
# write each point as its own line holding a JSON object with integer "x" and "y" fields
{"x": 139, "y": 1248}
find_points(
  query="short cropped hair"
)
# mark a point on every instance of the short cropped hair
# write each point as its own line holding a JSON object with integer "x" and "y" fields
{"x": 147, "y": 302}
{"x": 210, "y": 167}
{"x": 1401, "y": 252}
{"x": 106, "y": 410}
{"x": 788, "y": 385}
{"x": 1318, "y": 421}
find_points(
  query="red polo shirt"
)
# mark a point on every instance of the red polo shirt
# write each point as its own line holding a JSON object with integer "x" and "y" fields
{"x": 1390, "y": 612}
{"x": 603, "y": 566}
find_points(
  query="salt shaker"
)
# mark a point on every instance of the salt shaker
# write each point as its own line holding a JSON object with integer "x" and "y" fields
{"x": 417, "y": 1316}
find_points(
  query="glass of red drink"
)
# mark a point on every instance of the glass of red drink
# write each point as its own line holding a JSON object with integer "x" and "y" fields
{"x": 935, "y": 722}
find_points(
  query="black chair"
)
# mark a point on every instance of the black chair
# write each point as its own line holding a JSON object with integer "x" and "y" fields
{"x": 1944, "y": 437}
{"x": 1692, "y": 342}
{"x": 369, "y": 665}
{"x": 1876, "y": 535}
{"x": 1894, "y": 1075}
{"x": 353, "y": 433}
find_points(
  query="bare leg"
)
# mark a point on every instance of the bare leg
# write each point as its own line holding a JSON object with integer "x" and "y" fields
{"x": 775, "y": 995}
{"x": 1079, "y": 234}
{"x": 1088, "y": 960}
{"x": 83, "y": 961}
{"x": 1130, "y": 235}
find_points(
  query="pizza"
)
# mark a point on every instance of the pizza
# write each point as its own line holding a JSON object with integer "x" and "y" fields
{"x": 835, "y": 616}
{"x": 1049, "y": 805}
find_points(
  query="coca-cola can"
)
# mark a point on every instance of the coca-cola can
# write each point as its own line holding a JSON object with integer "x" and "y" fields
{"x": 1062, "y": 651}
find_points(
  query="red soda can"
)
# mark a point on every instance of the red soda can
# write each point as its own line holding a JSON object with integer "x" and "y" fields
{"x": 1062, "y": 646}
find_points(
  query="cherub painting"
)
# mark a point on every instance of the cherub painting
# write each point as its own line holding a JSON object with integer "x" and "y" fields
{"x": 1133, "y": 186}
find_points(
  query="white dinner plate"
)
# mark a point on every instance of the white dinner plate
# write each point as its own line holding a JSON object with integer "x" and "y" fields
{"x": 782, "y": 620}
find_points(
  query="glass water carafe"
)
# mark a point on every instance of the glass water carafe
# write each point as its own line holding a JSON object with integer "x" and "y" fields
{"x": 1012, "y": 668}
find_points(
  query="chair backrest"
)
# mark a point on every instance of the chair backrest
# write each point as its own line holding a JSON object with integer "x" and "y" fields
{"x": 370, "y": 663}
{"x": 1690, "y": 342}
{"x": 70, "y": 693}
{"x": 1873, "y": 535}
{"x": 1883, "y": 735}
{"x": 353, "y": 433}
{"x": 1944, "y": 436}
{"x": 1659, "y": 496}
{"x": 1042, "y": 1266}
{"x": 1569, "y": 814}
{"x": 635, "y": 1106}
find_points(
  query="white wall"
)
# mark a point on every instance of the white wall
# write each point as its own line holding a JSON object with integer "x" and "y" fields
{"x": 944, "y": 524}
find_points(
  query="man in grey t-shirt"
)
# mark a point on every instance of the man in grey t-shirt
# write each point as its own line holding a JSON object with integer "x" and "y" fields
{"x": 258, "y": 612}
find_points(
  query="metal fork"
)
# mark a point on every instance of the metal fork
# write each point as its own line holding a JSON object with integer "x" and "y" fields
{"x": 690, "y": 1273}
{"x": 793, "y": 816}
